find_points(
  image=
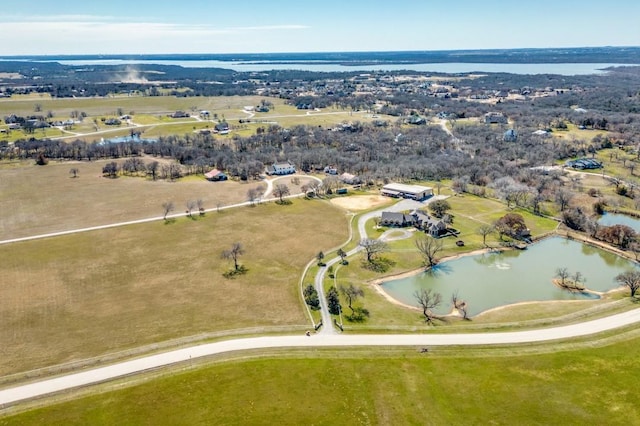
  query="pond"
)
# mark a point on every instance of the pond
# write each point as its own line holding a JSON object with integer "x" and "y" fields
{"x": 609, "y": 219}
{"x": 490, "y": 280}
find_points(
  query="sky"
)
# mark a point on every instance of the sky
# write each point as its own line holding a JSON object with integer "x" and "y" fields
{"x": 44, "y": 27}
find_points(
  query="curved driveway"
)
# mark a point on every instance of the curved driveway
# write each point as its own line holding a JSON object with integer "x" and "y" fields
{"x": 44, "y": 387}
{"x": 403, "y": 205}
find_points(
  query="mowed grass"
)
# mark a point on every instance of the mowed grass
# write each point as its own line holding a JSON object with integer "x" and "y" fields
{"x": 41, "y": 199}
{"x": 446, "y": 386}
{"x": 82, "y": 295}
{"x": 470, "y": 212}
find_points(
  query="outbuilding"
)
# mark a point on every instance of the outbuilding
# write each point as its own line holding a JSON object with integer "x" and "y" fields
{"x": 413, "y": 192}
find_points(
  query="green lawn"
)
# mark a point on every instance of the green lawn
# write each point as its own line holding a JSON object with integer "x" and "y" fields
{"x": 502, "y": 386}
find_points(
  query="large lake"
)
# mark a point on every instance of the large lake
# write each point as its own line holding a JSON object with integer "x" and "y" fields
{"x": 319, "y": 66}
{"x": 491, "y": 280}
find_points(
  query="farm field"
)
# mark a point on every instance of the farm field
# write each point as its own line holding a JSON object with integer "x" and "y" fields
{"x": 43, "y": 199}
{"x": 93, "y": 293}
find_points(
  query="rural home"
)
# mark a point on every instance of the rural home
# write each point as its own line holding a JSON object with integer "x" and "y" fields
{"x": 215, "y": 175}
{"x": 510, "y": 136}
{"x": 432, "y": 226}
{"x": 331, "y": 170}
{"x": 281, "y": 169}
{"x": 221, "y": 128}
{"x": 397, "y": 219}
{"x": 400, "y": 190}
{"x": 495, "y": 118}
{"x": 349, "y": 179}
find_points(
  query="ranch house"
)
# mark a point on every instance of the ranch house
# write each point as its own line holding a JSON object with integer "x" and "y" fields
{"x": 281, "y": 169}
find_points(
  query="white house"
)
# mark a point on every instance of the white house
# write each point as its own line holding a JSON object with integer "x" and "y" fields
{"x": 281, "y": 169}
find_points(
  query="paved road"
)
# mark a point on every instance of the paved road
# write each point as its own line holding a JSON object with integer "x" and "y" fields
{"x": 44, "y": 387}
{"x": 403, "y": 205}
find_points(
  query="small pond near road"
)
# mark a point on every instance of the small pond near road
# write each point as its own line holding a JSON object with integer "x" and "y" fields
{"x": 490, "y": 280}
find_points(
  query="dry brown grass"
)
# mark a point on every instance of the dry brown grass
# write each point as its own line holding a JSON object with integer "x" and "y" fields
{"x": 41, "y": 199}
{"x": 83, "y": 295}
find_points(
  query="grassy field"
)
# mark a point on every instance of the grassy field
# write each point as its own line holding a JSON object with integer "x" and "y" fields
{"x": 502, "y": 386}
{"x": 42, "y": 199}
{"x": 84, "y": 295}
{"x": 150, "y": 115}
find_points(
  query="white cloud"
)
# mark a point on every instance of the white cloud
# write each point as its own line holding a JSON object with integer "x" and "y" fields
{"x": 77, "y": 34}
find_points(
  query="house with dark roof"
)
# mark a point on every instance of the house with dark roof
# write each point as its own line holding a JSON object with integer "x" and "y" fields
{"x": 495, "y": 118}
{"x": 431, "y": 225}
{"x": 397, "y": 219}
{"x": 419, "y": 219}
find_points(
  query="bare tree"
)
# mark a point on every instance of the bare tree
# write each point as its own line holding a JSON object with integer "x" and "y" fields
{"x": 152, "y": 169}
{"x": 563, "y": 198}
{"x": 428, "y": 300}
{"x": 429, "y": 247}
{"x": 630, "y": 279}
{"x": 342, "y": 254}
{"x": 233, "y": 254}
{"x": 191, "y": 204}
{"x": 460, "y": 305}
{"x": 200, "y": 205}
{"x": 219, "y": 206}
{"x": 372, "y": 248}
{"x": 252, "y": 196}
{"x": 74, "y": 172}
{"x": 281, "y": 190}
{"x": 484, "y": 231}
{"x": 351, "y": 293}
{"x": 168, "y": 207}
{"x": 562, "y": 274}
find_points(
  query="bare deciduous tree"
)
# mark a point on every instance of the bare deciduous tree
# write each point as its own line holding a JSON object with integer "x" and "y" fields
{"x": 428, "y": 300}
{"x": 167, "y": 207}
{"x": 342, "y": 255}
{"x": 191, "y": 204}
{"x": 429, "y": 247}
{"x": 562, "y": 274}
{"x": 372, "y": 248}
{"x": 281, "y": 190}
{"x": 563, "y": 198}
{"x": 351, "y": 292}
{"x": 233, "y": 254}
{"x": 484, "y": 231}
{"x": 74, "y": 172}
{"x": 460, "y": 305}
{"x": 252, "y": 195}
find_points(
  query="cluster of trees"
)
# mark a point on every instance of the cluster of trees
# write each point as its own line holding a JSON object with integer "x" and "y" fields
{"x": 135, "y": 166}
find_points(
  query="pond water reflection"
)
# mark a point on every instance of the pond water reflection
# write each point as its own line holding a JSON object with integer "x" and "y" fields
{"x": 496, "y": 279}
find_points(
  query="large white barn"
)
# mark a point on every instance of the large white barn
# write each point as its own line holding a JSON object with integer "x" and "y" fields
{"x": 400, "y": 190}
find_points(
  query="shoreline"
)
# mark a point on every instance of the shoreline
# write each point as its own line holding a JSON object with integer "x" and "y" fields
{"x": 376, "y": 283}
